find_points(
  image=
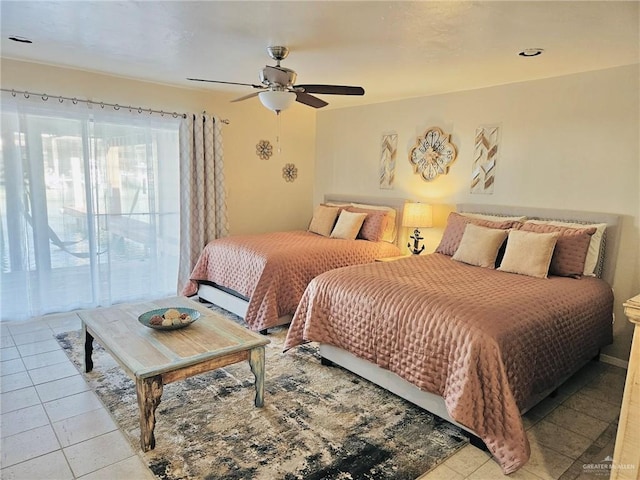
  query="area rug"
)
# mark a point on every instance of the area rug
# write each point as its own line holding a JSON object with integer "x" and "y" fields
{"x": 318, "y": 422}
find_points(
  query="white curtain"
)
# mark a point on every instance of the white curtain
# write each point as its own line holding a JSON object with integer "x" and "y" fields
{"x": 203, "y": 204}
{"x": 89, "y": 206}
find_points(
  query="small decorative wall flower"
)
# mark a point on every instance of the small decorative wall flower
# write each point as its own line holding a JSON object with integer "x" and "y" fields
{"x": 264, "y": 150}
{"x": 289, "y": 172}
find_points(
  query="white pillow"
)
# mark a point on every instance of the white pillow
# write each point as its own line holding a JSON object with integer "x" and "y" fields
{"x": 528, "y": 253}
{"x": 348, "y": 225}
{"x": 323, "y": 220}
{"x": 479, "y": 245}
{"x": 493, "y": 218}
{"x": 593, "y": 254}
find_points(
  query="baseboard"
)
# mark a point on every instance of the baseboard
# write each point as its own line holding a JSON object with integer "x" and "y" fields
{"x": 614, "y": 361}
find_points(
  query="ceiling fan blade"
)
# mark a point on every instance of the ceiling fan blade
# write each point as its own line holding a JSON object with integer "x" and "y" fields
{"x": 310, "y": 100}
{"x": 332, "y": 89}
{"x": 228, "y": 83}
{"x": 254, "y": 94}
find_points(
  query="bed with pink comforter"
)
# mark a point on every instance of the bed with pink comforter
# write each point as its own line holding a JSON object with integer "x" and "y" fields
{"x": 487, "y": 341}
{"x": 272, "y": 270}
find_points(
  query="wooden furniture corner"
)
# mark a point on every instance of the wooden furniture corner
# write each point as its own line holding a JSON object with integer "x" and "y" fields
{"x": 626, "y": 457}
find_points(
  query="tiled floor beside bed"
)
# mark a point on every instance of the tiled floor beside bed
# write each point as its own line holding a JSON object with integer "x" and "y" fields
{"x": 53, "y": 427}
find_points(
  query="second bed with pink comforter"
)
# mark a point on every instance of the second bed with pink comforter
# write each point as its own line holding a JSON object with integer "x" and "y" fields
{"x": 488, "y": 342}
{"x": 272, "y": 270}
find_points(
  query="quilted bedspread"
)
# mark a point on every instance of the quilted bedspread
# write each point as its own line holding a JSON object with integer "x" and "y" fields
{"x": 488, "y": 342}
{"x": 273, "y": 269}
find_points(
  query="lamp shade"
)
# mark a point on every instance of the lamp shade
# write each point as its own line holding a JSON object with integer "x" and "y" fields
{"x": 417, "y": 215}
{"x": 277, "y": 100}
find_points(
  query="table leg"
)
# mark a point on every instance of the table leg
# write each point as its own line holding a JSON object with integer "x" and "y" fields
{"x": 149, "y": 391}
{"x": 256, "y": 361}
{"x": 88, "y": 350}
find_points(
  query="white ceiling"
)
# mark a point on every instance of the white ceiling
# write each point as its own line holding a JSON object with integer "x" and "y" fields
{"x": 392, "y": 49}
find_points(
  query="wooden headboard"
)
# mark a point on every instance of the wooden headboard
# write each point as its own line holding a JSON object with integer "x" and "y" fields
{"x": 609, "y": 250}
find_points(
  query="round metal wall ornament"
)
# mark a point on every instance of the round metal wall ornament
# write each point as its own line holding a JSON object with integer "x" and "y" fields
{"x": 289, "y": 172}
{"x": 264, "y": 150}
{"x": 432, "y": 154}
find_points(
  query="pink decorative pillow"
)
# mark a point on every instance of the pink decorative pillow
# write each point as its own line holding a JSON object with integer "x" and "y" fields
{"x": 374, "y": 225}
{"x": 455, "y": 229}
{"x": 571, "y": 248}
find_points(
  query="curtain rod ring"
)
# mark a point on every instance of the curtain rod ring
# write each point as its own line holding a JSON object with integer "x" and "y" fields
{"x": 139, "y": 110}
{"x": 74, "y": 100}
{"x": 26, "y": 95}
{"x": 13, "y": 93}
{"x": 60, "y": 99}
{"x": 45, "y": 97}
{"x": 116, "y": 107}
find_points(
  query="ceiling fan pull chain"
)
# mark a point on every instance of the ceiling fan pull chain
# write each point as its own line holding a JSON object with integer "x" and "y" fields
{"x": 278, "y": 133}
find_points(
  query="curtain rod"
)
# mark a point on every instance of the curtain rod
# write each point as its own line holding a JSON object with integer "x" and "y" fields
{"x": 115, "y": 106}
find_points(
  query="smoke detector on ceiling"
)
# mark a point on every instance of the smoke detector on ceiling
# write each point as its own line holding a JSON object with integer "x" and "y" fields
{"x": 531, "y": 52}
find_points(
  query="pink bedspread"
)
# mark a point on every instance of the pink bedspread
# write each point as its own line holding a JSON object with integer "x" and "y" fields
{"x": 273, "y": 269}
{"x": 489, "y": 342}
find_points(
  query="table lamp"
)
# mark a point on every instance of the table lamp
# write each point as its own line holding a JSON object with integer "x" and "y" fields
{"x": 417, "y": 215}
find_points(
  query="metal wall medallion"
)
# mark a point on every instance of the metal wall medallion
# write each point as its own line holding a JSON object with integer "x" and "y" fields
{"x": 432, "y": 154}
{"x": 264, "y": 150}
{"x": 289, "y": 172}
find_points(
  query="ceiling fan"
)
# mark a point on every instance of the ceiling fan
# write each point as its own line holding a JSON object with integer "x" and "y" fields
{"x": 278, "y": 90}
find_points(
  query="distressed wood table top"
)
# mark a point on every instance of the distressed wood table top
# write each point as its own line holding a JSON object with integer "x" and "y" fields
{"x": 144, "y": 352}
{"x": 154, "y": 358}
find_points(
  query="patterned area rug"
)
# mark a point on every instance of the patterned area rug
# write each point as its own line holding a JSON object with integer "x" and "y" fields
{"x": 318, "y": 422}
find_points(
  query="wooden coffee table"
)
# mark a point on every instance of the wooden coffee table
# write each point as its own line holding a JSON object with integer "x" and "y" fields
{"x": 154, "y": 358}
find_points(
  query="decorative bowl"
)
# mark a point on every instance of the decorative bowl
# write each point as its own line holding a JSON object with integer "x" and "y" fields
{"x": 173, "y": 314}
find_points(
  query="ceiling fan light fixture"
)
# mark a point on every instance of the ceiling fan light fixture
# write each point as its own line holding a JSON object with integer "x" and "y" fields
{"x": 277, "y": 100}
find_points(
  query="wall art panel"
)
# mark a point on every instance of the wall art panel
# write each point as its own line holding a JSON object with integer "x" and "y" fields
{"x": 485, "y": 156}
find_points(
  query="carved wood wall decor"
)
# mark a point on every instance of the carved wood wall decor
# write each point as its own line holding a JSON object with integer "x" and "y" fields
{"x": 484, "y": 159}
{"x": 432, "y": 154}
{"x": 388, "y": 160}
{"x": 264, "y": 150}
{"x": 289, "y": 172}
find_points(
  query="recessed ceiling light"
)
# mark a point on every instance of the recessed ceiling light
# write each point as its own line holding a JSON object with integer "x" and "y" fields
{"x": 531, "y": 52}
{"x": 20, "y": 39}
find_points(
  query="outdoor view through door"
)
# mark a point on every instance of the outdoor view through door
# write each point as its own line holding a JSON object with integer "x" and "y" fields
{"x": 89, "y": 207}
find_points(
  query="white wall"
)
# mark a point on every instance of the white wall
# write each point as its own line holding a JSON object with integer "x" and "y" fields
{"x": 569, "y": 142}
{"x": 259, "y": 199}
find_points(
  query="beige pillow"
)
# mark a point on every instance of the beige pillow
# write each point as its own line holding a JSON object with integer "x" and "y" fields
{"x": 454, "y": 230}
{"x": 571, "y": 248}
{"x": 324, "y": 218}
{"x": 479, "y": 245}
{"x": 593, "y": 254}
{"x": 348, "y": 225}
{"x": 528, "y": 253}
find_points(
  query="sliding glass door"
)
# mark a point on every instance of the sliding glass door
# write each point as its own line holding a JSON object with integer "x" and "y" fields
{"x": 89, "y": 208}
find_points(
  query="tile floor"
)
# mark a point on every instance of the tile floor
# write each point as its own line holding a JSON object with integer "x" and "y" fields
{"x": 53, "y": 427}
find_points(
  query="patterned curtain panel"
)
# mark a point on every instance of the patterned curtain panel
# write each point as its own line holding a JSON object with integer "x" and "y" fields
{"x": 203, "y": 198}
